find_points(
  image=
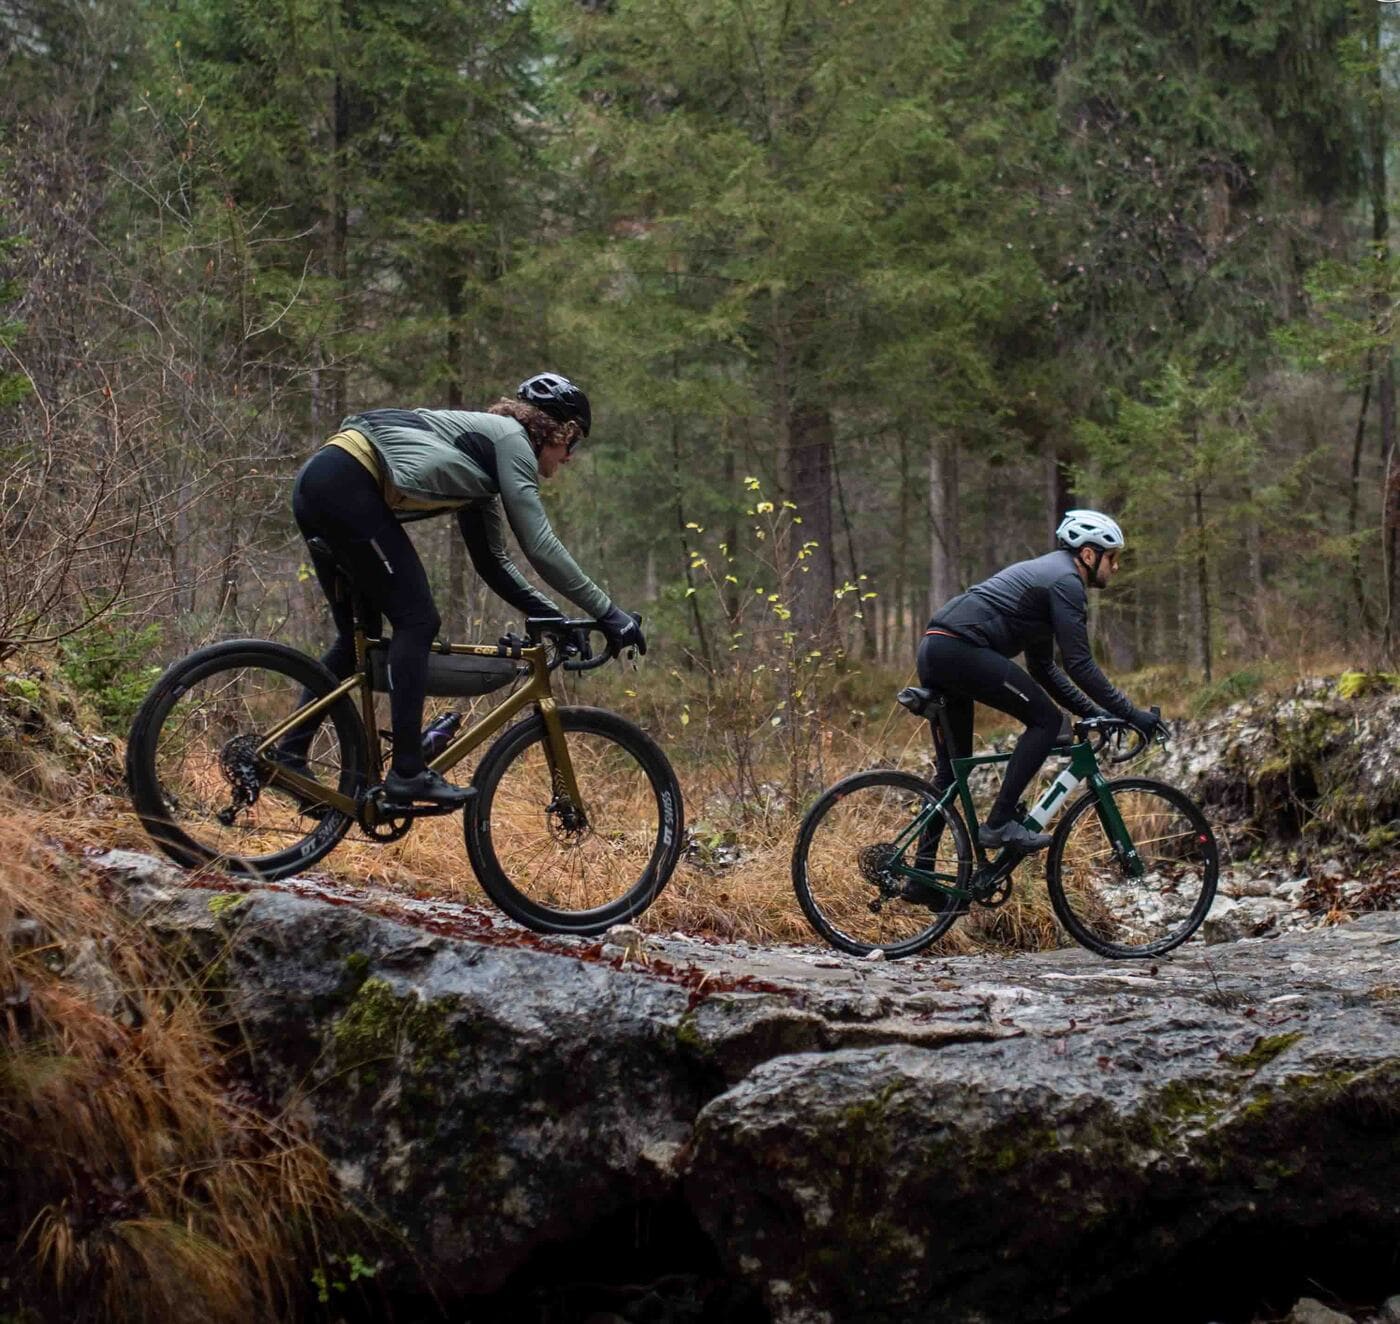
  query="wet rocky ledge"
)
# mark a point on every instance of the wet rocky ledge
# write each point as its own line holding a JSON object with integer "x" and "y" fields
{"x": 976, "y": 1138}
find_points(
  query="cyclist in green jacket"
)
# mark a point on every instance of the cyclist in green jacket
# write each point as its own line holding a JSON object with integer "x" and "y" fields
{"x": 386, "y": 467}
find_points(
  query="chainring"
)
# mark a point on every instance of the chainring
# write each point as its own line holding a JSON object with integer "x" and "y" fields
{"x": 378, "y": 825}
{"x": 999, "y": 894}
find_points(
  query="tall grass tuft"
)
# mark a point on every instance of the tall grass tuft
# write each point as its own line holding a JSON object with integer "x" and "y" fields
{"x": 136, "y": 1183}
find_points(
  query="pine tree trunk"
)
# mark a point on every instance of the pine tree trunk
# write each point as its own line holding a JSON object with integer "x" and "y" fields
{"x": 894, "y": 607}
{"x": 945, "y": 553}
{"x": 1385, "y": 368}
{"x": 339, "y": 222}
{"x": 1187, "y": 635}
{"x": 1203, "y": 582}
{"x": 811, "y": 485}
{"x": 1358, "y": 586}
{"x": 455, "y": 608}
{"x": 1058, "y": 494}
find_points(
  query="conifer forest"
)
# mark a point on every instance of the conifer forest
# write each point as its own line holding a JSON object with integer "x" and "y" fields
{"x": 864, "y": 293}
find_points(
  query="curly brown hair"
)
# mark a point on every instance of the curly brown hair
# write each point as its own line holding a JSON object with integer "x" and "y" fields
{"x": 539, "y": 427}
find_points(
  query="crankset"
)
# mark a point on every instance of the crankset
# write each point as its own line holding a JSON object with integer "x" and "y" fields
{"x": 382, "y": 819}
{"x": 992, "y": 886}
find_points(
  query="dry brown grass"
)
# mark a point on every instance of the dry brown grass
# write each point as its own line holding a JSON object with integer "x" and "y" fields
{"x": 737, "y": 780}
{"x": 135, "y": 1182}
{"x": 734, "y": 883}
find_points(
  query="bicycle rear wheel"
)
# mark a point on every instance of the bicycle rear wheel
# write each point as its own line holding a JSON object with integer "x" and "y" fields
{"x": 563, "y": 868}
{"x": 840, "y": 865}
{"x": 195, "y": 782}
{"x": 1101, "y": 902}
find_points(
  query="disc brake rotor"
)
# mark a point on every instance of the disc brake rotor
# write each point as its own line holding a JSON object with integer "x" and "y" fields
{"x": 568, "y": 823}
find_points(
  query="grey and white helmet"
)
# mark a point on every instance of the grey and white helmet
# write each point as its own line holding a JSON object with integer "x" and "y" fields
{"x": 1089, "y": 528}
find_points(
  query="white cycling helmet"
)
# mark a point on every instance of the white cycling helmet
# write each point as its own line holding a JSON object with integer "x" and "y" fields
{"x": 1088, "y": 528}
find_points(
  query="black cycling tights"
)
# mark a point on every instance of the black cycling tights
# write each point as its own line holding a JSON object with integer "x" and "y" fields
{"x": 335, "y": 498}
{"x": 965, "y": 672}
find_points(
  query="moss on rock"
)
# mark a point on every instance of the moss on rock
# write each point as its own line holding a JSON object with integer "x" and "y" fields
{"x": 383, "y": 1032}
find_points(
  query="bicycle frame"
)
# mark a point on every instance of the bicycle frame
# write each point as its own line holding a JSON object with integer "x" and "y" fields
{"x": 1083, "y": 767}
{"x": 537, "y": 691}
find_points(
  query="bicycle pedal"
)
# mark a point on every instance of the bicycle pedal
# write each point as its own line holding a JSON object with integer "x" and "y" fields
{"x": 390, "y": 808}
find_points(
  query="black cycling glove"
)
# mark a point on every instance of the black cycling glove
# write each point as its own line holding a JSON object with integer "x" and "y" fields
{"x": 623, "y": 629}
{"x": 1147, "y": 722}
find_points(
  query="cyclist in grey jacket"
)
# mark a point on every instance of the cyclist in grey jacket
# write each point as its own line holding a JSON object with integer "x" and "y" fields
{"x": 387, "y": 467}
{"x": 1029, "y": 607}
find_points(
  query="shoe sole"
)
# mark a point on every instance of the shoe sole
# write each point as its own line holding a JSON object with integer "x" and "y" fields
{"x": 1013, "y": 845}
{"x": 394, "y": 802}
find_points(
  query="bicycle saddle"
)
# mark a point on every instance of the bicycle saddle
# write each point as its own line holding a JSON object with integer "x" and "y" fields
{"x": 918, "y": 700}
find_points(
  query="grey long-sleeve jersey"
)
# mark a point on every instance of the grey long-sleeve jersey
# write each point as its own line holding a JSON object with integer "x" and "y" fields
{"x": 1031, "y": 607}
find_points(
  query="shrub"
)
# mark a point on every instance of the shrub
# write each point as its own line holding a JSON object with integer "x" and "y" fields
{"x": 106, "y": 663}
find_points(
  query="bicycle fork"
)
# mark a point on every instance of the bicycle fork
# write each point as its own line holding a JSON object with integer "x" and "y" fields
{"x": 1083, "y": 767}
{"x": 565, "y": 799}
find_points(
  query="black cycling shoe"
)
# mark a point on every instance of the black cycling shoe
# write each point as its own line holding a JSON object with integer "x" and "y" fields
{"x": 1014, "y": 834}
{"x": 426, "y": 787}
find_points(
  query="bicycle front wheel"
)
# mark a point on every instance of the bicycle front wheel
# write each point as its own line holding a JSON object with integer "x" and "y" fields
{"x": 1118, "y": 910}
{"x": 196, "y": 783}
{"x": 563, "y": 868}
{"x": 842, "y": 864}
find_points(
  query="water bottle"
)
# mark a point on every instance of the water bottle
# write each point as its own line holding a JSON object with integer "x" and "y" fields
{"x": 439, "y": 732}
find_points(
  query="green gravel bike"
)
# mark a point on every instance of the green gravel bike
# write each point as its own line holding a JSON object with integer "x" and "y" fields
{"x": 885, "y": 861}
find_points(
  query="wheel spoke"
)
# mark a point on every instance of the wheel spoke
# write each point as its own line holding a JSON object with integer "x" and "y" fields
{"x": 1118, "y": 912}
{"x": 842, "y": 867}
{"x": 544, "y": 867}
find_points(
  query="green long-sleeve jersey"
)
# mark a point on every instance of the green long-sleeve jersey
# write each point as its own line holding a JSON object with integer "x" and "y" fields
{"x": 484, "y": 467}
